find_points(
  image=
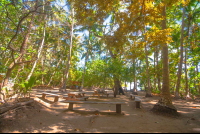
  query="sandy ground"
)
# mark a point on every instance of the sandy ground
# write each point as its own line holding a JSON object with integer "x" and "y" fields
{"x": 46, "y": 116}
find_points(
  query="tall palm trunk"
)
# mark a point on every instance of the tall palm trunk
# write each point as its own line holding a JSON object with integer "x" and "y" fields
{"x": 134, "y": 77}
{"x": 42, "y": 63}
{"x": 165, "y": 102}
{"x": 158, "y": 74}
{"x": 154, "y": 64}
{"x": 181, "y": 58}
{"x": 198, "y": 78}
{"x": 186, "y": 79}
{"x": 70, "y": 48}
{"x": 54, "y": 71}
{"x": 87, "y": 55}
{"x": 148, "y": 93}
{"x": 104, "y": 83}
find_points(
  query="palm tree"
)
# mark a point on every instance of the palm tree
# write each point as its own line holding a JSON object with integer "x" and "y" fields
{"x": 165, "y": 102}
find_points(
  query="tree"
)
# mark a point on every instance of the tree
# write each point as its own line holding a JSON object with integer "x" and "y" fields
{"x": 165, "y": 102}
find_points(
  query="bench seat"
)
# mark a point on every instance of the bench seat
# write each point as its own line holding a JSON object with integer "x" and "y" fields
{"x": 137, "y": 101}
{"x": 118, "y": 104}
{"x": 132, "y": 96}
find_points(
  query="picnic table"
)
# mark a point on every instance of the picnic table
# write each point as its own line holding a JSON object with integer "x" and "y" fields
{"x": 118, "y": 104}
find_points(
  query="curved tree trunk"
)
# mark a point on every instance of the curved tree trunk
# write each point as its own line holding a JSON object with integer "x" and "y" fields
{"x": 181, "y": 58}
{"x": 22, "y": 50}
{"x": 39, "y": 51}
{"x": 70, "y": 48}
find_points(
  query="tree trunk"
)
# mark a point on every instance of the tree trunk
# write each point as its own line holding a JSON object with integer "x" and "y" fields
{"x": 104, "y": 83}
{"x": 87, "y": 55}
{"x": 181, "y": 58}
{"x": 158, "y": 74}
{"x": 165, "y": 102}
{"x": 22, "y": 49}
{"x": 42, "y": 62}
{"x": 70, "y": 48}
{"x": 39, "y": 51}
{"x": 198, "y": 78}
{"x": 134, "y": 77}
{"x": 148, "y": 93}
{"x": 186, "y": 79}
{"x": 154, "y": 64}
{"x": 54, "y": 71}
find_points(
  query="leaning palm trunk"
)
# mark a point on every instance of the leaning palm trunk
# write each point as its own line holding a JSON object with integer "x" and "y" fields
{"x": 39, "y": 52}
{"x": 181, "y": 58}
{"x": 165, "y": 102}
{"x": 54, "y": 71}
{"x": 70, "y": 48}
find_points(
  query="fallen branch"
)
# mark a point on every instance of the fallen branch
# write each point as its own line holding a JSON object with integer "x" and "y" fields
{"x": 5, "y": 109}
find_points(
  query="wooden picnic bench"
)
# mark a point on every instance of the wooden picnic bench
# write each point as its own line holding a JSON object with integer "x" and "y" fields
{"x": 118, "y": 104}
{"x": 137, "y": 100}
{"x": 55, "y": 95}
{"x": 74, "y": 97}
{"x": 100, "y": 93}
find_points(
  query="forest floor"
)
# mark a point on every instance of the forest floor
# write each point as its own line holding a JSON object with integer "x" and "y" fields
{"x": 46, "y": 117}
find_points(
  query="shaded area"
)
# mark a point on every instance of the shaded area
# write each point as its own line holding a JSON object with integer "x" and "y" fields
{"x": 100, "y": 117}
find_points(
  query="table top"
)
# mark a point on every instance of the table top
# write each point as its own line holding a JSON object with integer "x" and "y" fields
{"x": 77, "y": 92}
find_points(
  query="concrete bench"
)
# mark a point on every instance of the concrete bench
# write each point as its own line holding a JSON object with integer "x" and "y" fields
{"x": 74, "y": 97}
{"x": 137, "y": 101}
{"x": 132, "y": 96}
{"x": 118, "y": 104}
{"x": 55, "y": 95}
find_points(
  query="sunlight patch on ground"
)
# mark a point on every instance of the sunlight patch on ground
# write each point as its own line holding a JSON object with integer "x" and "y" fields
{"x": 196, "y": 129}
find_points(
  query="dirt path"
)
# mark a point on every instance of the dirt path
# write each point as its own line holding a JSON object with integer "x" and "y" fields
{"x": 101, "y": 118}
